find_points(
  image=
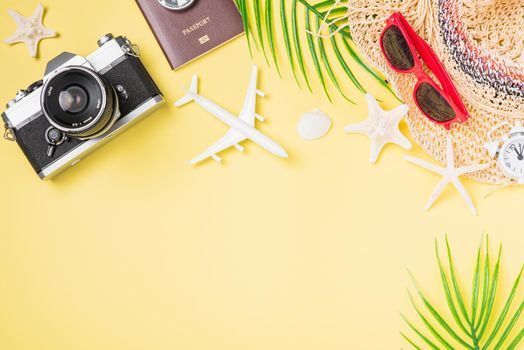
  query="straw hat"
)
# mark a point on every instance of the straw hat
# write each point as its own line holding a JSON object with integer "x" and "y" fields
{"x": 481, "y": 44}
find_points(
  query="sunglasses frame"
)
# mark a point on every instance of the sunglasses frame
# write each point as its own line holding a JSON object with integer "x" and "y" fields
{"x": 418, "y": 46}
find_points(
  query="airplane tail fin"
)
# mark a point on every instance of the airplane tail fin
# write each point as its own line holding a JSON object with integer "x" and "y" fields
{"x": 190, "y": 96}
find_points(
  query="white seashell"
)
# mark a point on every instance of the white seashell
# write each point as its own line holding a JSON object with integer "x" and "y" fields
{"x": 313, "y": 125}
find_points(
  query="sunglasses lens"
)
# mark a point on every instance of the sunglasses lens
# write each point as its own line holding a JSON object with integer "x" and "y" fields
{"x": 397, "y": 49}
{"x": 434, "y": 104}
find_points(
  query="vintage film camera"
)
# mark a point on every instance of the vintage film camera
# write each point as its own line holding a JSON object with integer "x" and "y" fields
{"x": 81, "y": 103}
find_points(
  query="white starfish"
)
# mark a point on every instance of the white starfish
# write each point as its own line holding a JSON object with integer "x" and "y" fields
{"x": 450, "y": 174}
{"x": 381, "y": 127}
{"x": 30, "y": 30}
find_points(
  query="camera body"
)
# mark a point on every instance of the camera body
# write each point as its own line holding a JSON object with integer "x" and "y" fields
{"x": 81, "y": 103}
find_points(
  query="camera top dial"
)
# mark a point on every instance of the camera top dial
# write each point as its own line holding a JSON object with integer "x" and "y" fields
{"x": 79, "y": 102}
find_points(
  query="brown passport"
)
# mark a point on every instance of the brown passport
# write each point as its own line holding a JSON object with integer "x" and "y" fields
{"x": 186, "y": 35}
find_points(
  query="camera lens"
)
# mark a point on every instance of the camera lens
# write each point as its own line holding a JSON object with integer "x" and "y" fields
{"x": 79, "y": 102}
{"x": 73, "y": 99}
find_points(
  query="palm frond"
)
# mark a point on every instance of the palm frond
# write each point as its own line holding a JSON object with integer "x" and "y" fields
{"x": 475, "y": 327}
{"x": 322, "y": 32}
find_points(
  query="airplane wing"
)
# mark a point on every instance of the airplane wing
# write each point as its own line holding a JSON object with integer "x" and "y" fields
{"x": 231, "y": 138}
{"x": 248, "y": 113}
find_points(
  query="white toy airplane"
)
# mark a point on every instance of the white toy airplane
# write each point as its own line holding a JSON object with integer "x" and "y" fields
{"x": 242, "y": 128}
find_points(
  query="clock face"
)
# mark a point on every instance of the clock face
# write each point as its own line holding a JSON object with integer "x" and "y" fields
{"x": 177, "y": 5}
{"x": 512, "y": 157}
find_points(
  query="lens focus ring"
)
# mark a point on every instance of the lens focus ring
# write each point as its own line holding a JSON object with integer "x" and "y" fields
{"x": 79, "y": 102}
{"x": 103, "y": 121}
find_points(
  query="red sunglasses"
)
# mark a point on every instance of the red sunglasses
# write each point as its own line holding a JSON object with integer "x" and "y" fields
{"x": 401, "y": 47}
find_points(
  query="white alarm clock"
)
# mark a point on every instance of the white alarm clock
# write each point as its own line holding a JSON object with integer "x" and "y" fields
{"x": 509, "y": 151}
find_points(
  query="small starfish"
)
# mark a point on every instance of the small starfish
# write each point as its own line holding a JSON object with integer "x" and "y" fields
{"x": 381, "y": 127}
{"x": 450, "y": 174}
{"x": 30, "y": 30}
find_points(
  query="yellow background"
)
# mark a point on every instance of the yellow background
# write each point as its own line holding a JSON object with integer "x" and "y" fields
{"x": 135, "y": 249}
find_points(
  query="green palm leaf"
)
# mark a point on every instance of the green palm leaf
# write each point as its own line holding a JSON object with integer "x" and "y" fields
{"x": 297, "y": 36}
{"x": 473, "y": 320}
